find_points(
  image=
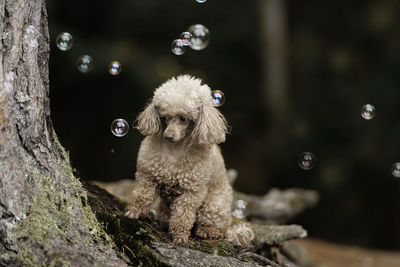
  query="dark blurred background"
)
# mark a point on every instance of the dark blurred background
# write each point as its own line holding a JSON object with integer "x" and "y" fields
{"x": 295, "y": 75}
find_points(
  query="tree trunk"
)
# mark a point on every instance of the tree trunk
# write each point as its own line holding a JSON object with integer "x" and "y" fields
{"x": 44, "y": 215}
{"x": 275, "y": 55}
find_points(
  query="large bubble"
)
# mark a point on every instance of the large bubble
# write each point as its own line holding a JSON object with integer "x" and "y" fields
{"x": 119, "y": 127}
{"x": 239, "y": 209}
{"x": 192, "y": 100}
{"x": 396, "y": 169}
{"x": 9, "y": 81}
{"x": 114, "y": 68}
{"x": 200, "y": 37}
{"x": 368, "y": 112}
{"x": 218, "y": 98}
{"x": 31, "y": 36}
{"x": 64, "y": 41}
{"x": 178, "y": 47}
{"x": 185, "y": 37}
{"x": 307, "y": 160}
{"x": 85, "y": 63}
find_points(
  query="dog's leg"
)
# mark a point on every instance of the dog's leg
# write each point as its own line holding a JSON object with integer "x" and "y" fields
{"x": 183, "y": 215}
{"x": 142, "y": 196}
{"x": 161, "y": 209}
{"x": 214, "y": 216}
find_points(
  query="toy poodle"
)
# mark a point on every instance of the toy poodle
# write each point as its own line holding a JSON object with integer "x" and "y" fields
{"x": 180, "y": 163}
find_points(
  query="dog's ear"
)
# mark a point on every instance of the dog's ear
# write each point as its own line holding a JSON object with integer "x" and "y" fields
{"x": 148, "y": 122}
{"x": 211, "y": 126}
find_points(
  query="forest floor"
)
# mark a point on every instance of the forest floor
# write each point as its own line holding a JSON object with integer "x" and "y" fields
{"x": 328, "y": 254}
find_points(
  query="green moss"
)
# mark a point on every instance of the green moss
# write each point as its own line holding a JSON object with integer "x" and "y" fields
{"x": 216, "y": 247}
{"x": 49, "y": 218}
{"x": 132, "y": 237}
{"x": 58, "y": 261}
{"x": 102, "y": 201}
{"x": 89, "y": 218}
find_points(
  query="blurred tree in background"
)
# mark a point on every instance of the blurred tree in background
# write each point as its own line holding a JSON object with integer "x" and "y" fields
{"x": 295, "y": 75}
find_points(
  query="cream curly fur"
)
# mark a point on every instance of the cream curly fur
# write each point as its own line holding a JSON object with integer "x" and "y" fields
{"x": 180, "y": 163}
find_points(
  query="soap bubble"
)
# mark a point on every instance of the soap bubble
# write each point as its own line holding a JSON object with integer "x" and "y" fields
{"x": 201, "y": 1}
{"x": 178, "y": 47}
{"x": 192, "y": 100}
{"x": 30, "y": 36}
{"x": 185, "y": 37}
{"x": 307, "y": 160}
{"x": 368, "y": 112}
{"x": 239, "y": 209}
{"x": 64, "y": 41}
{"x": 30, "y": 30}
{"x": 396, "y": 169}
{"x": 9, "y": 81}
{"x": 119, "y": 127}
{"x": 218, "y": 98}
{"x": 85, "y": 63}
{"x": 200, "y": 37}
{"x": 114, "y": 68}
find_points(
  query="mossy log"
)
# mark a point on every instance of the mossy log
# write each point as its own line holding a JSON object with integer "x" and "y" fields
{"x": 278, "y": 206}
{"x": 145, "y": 244}
{"x": 275, "y": 207}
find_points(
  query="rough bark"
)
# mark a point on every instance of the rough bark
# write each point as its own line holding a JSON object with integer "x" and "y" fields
{"x": 44, "y": 216}
{"x": 276, "y": 235}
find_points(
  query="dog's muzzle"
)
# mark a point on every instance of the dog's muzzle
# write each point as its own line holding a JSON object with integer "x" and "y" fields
{"x": 170, "y": 137}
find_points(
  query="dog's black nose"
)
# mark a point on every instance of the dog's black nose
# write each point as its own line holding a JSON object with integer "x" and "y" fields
{"x": 169, "y": 137}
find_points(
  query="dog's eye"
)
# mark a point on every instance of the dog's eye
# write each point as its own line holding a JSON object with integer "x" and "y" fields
{"x": 183, "y": 119}
{"x": 162, "y": 118}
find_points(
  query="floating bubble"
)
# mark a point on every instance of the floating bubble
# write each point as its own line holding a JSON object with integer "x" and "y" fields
{"x": 185, "y": 37}
{"x": 192, "y": 100}
{"x": 85, "y": 63}
{"x": 8, "y": 83}
{"x": 31, "y": 31}
{"x": 239, "y": 209}
{"x": 368, "y": 112}
{"x": 307, "y": 160}
{"x": 200, "y": 37}
{"x": 114, "y": 68}
{"x": 218, "y": 98}
{"x": 396, "y": 169}
{"x": 30, "y": 36}
{"x": 119, "y": 127}
{"x": 64, "y": 41}
{"x": 201, "y": 1}
{"x": 178, "y": 47}
{"x": 10, "y": 76}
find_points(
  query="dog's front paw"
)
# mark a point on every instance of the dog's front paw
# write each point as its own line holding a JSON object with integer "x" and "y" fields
{"x": 209, "y": 232}
{"x": 132, "y": 213}
{"x": 179, "y": 234}
{"x": 181, "y": 239}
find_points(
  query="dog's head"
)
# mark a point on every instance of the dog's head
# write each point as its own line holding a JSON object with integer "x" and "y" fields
{"x": 181, "y": 109}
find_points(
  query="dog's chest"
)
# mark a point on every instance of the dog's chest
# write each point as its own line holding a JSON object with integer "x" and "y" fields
{"x": 173, "y": 178}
